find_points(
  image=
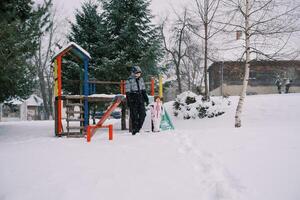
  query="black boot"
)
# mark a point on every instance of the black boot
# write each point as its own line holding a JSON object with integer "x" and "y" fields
{"x": 134, "y": 132}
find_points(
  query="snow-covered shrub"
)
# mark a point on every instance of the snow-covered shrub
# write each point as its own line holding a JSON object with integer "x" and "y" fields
{"x": 190, "y": 100}
{"x": 188, "y": 105}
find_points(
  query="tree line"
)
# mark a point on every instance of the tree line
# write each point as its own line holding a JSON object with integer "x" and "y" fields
{"x": 119, "y": 34}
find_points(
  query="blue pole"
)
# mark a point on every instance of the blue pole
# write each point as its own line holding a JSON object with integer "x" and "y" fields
{"x": 86, "y": 92}
{"x": 91, "y": 88}
{"x": 94, "y": 88}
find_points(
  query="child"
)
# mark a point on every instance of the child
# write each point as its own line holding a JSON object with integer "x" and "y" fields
{"x": 278, "y": 84}
{"x": 156, "y": 113}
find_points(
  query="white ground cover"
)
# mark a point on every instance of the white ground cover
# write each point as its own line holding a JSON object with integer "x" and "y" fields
{"x": 198, "y": 108}
{"x": 202, "y": 159}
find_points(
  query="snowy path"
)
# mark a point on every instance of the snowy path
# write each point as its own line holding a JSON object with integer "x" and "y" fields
{"x": 203, "y": 159}
{"x": 44, "y": 167}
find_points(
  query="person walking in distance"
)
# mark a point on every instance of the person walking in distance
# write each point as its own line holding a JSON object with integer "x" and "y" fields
{"x": 287, "y": 85}
{"x": 136, "y": 97}
{"x": 278, "y": 84}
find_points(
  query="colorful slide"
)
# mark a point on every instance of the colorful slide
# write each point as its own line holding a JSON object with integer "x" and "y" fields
{"x": 116, "y": 101}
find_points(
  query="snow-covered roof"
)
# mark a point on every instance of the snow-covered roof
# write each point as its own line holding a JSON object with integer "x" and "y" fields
{"x": 15, "y": 101}
{"x": 76, "y": 49}
{"x": 34, "y": 100}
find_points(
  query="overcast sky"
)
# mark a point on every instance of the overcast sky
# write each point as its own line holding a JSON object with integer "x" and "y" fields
{"x": 66, "y": 8}
{"x": 160, "y": 8}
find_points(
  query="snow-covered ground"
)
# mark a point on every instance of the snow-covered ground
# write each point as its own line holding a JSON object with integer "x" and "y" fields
{"x": 203, "y": 159}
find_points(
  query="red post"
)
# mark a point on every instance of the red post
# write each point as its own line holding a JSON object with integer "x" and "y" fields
{"x": 122, "y": 87}
{"x": 59, "y": 93}
{"x": 90, "y": 131}
{"x": 88, "y": 136}
{"x": 152, "y": 86}
{"x": 110, "y": 132}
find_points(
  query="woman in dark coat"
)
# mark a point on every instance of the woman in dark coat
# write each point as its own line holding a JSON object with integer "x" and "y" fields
{"x": 136, "y": 98}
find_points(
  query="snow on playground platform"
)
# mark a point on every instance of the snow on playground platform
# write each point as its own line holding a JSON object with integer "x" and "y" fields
{"x": 103, "y": 95}
{"x": 205, "y": 159}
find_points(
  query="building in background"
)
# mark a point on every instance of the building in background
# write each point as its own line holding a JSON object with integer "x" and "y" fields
{"x": 19, "y": 109}
{"x": 34, "y": 106}
{"x": 226, "y": 78}
{"x": 13, "y": 110}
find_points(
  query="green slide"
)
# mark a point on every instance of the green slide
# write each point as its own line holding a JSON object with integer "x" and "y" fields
{"x": 166, "y": 123}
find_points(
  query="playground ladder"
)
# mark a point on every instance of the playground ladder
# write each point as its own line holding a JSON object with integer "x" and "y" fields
{"x": 70, "y": 104}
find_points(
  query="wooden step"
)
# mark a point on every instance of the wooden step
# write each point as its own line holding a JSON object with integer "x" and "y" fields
{"x": 74, "y": 112}
{"x": 75, "y": 120}
{"x": 73, "y": 134}
{"x": 76, "y": 136}
{"x": 74, "y": 97}
{"x": 75, "y": 127}
{"x": 75, "y": 104}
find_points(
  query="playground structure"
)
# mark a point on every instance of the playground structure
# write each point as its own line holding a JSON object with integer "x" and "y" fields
{"x": 64, "y": 125}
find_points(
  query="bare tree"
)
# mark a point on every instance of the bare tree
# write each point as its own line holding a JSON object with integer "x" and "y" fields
{"x": 247, "y": 64}
{"x": 176, "y": 47}
{"x": 192, "y": 69}
{"x": 42, "y": 59}
{"x": 267, "y": 26}
{"x": 206, "y": 11}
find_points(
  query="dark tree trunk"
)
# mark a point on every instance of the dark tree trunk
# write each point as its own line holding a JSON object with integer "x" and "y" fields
{"x": 50, "y": 98}
{"x": 43, "y": 91}
{"x": 178, "y": 77}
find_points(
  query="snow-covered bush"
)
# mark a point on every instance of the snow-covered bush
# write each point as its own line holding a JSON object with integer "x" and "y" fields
{"x": 188, "y": 105}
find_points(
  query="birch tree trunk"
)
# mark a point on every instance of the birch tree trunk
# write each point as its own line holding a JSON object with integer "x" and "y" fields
{"x": 206, "y": 48}
{"x": 238, "y": 122}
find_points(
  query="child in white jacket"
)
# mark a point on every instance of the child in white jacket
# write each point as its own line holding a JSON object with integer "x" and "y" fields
{"x": 156, "y": 109}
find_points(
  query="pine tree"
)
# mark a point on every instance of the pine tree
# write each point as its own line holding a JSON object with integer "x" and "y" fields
{"x": 89, "y": 32}
{"x": 134, "y": 40}
{"x": 117, "y": 38}
{"x": 18, "y": 42}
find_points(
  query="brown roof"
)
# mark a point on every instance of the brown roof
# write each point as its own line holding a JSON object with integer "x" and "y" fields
{"x": 286, "y": 63}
